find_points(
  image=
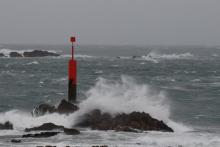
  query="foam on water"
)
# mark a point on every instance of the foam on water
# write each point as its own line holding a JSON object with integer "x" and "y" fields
{"x": 126, "y": 96}
{"x": 155, "y": 139}
{"x": 156, "y": 55}
{"x": 22, "y": 120}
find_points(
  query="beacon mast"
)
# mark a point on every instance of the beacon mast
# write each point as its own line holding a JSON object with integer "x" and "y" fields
{"x": 72, "y": 72}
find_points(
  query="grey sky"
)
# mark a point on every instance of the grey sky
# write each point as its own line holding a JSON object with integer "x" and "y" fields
{"x": 137, "y": 22}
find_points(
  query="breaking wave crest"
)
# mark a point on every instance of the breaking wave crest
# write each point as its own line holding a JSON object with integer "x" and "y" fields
{"x": 123, "y": 96}
{"x": 156, "y": 55}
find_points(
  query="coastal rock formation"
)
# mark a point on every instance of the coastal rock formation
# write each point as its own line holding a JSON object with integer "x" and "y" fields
{"x": 39, "y": 53}
{"x": 16, "y": 141}
{"x": 68, "y": 131}
{"x": 123, "y": 122}
{"x": 2, "y": 55}
{"x": 15, "y": 54}
{"x": 40, "y": 135}
{"x": 64, "y": 107}
{"x": 45, "y": 127}
{"x": 6, "y": 126}
{"x": 132, "y": 122}
{"x": 51, "y": 126}
{"x": 43, "y": 109}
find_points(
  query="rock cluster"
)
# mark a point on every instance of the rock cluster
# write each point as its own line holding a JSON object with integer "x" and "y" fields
{"x": 34, "y": 53}
{"x": 39, "y": 53}
{"x": 132, "y": 122}
{"x": 6, "y": 126}
{"x": 64, "y": 107}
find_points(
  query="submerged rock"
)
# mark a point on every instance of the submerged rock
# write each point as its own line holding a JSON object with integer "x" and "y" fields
{"x": 71, "y": 131}
{"x": 39, "y": 53}
{"x": 6, "y": 126}
{"x": 51, "y": 126}
{"x": 2, "y": 55}
{"x": 16, "y": 141}
{"x": 15, "y": 54}
{"x": 45, "y": 127}
{"x": 64, "y": 107}
{"x": 123, "y": 122}
{"x": 40, "y": 135}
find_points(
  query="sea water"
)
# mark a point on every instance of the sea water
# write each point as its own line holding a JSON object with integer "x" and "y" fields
{"x": 177, "y": 84}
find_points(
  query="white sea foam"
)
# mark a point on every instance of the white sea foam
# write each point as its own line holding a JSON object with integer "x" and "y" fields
{"x": 156, "y": 55}
{"x": 33, "y": 63}
{"x": 123, "y": 96}
{"x": 156, "y": 139}
{"x": 22, "y": 120}
{"x": 126, "y": 96}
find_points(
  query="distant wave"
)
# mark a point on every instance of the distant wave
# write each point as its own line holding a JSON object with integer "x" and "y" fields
{"x": 156, "y": 57}
{"x": 170, "y": 56}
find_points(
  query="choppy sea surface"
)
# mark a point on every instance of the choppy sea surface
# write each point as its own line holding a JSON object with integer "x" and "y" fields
{"x": 178, "y": 84}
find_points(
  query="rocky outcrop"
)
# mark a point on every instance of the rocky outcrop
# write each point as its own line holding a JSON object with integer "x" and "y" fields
{"x": 15, "y": 54}
{"x": 71, "y": 131}
{"x": 43, "y": 109}
{"x": 39, "y": 53}
{"x": 16, "y": 141}
{"x": 51, "y": 126}
{"x": 64, "y": 107}
{"x": 123, "y": 122}
{"x": 40, "y": 135}
{"x": 6, "y": 126}
{"x": 45, "y": 127}
{"x": 2, "y": 55}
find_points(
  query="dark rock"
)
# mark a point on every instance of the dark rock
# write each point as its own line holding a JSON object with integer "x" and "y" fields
{"x": 15, "y": 54}
{"x": 2, "y": 55}
{"x": 39, "y": 53}
{"x": 66, "y": 107}
{"x": 15, "y": 141}
{"x": 43, "y": 109}
{"x": 6, "y": 126}
{"x": 122, "y": 122}
{"x": 41, "y": 135}
{"x": 45, "y": 127}
{"x": 71, "y": 131}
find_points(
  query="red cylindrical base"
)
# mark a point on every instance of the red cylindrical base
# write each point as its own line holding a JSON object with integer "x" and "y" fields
{"x": 72, "y": 87}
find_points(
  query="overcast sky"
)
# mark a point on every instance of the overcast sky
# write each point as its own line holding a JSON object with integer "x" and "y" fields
{"x": 114, "y": 22}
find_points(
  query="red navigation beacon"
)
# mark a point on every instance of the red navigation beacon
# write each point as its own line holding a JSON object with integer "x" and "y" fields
{"x": 72, "y": 72}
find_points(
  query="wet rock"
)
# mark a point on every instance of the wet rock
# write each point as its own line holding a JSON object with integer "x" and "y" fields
{"x": 71, "y": 131}
{"x": 39, "y": 53}
{"x": 16, "y": 141}
{"x": 66, "y": 107}
{"x": 2, "y": 55}
{"x": 123, "y": 122}
{"x": 41, "y": 135}
{"x": 45, "y": 127}
{"x": 6, "y": 126}
{"x": 15, "y": 54}
{"x": 43, "y": 109}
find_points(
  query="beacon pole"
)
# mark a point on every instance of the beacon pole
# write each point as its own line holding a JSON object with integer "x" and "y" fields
{"x": 72, "y": 75}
